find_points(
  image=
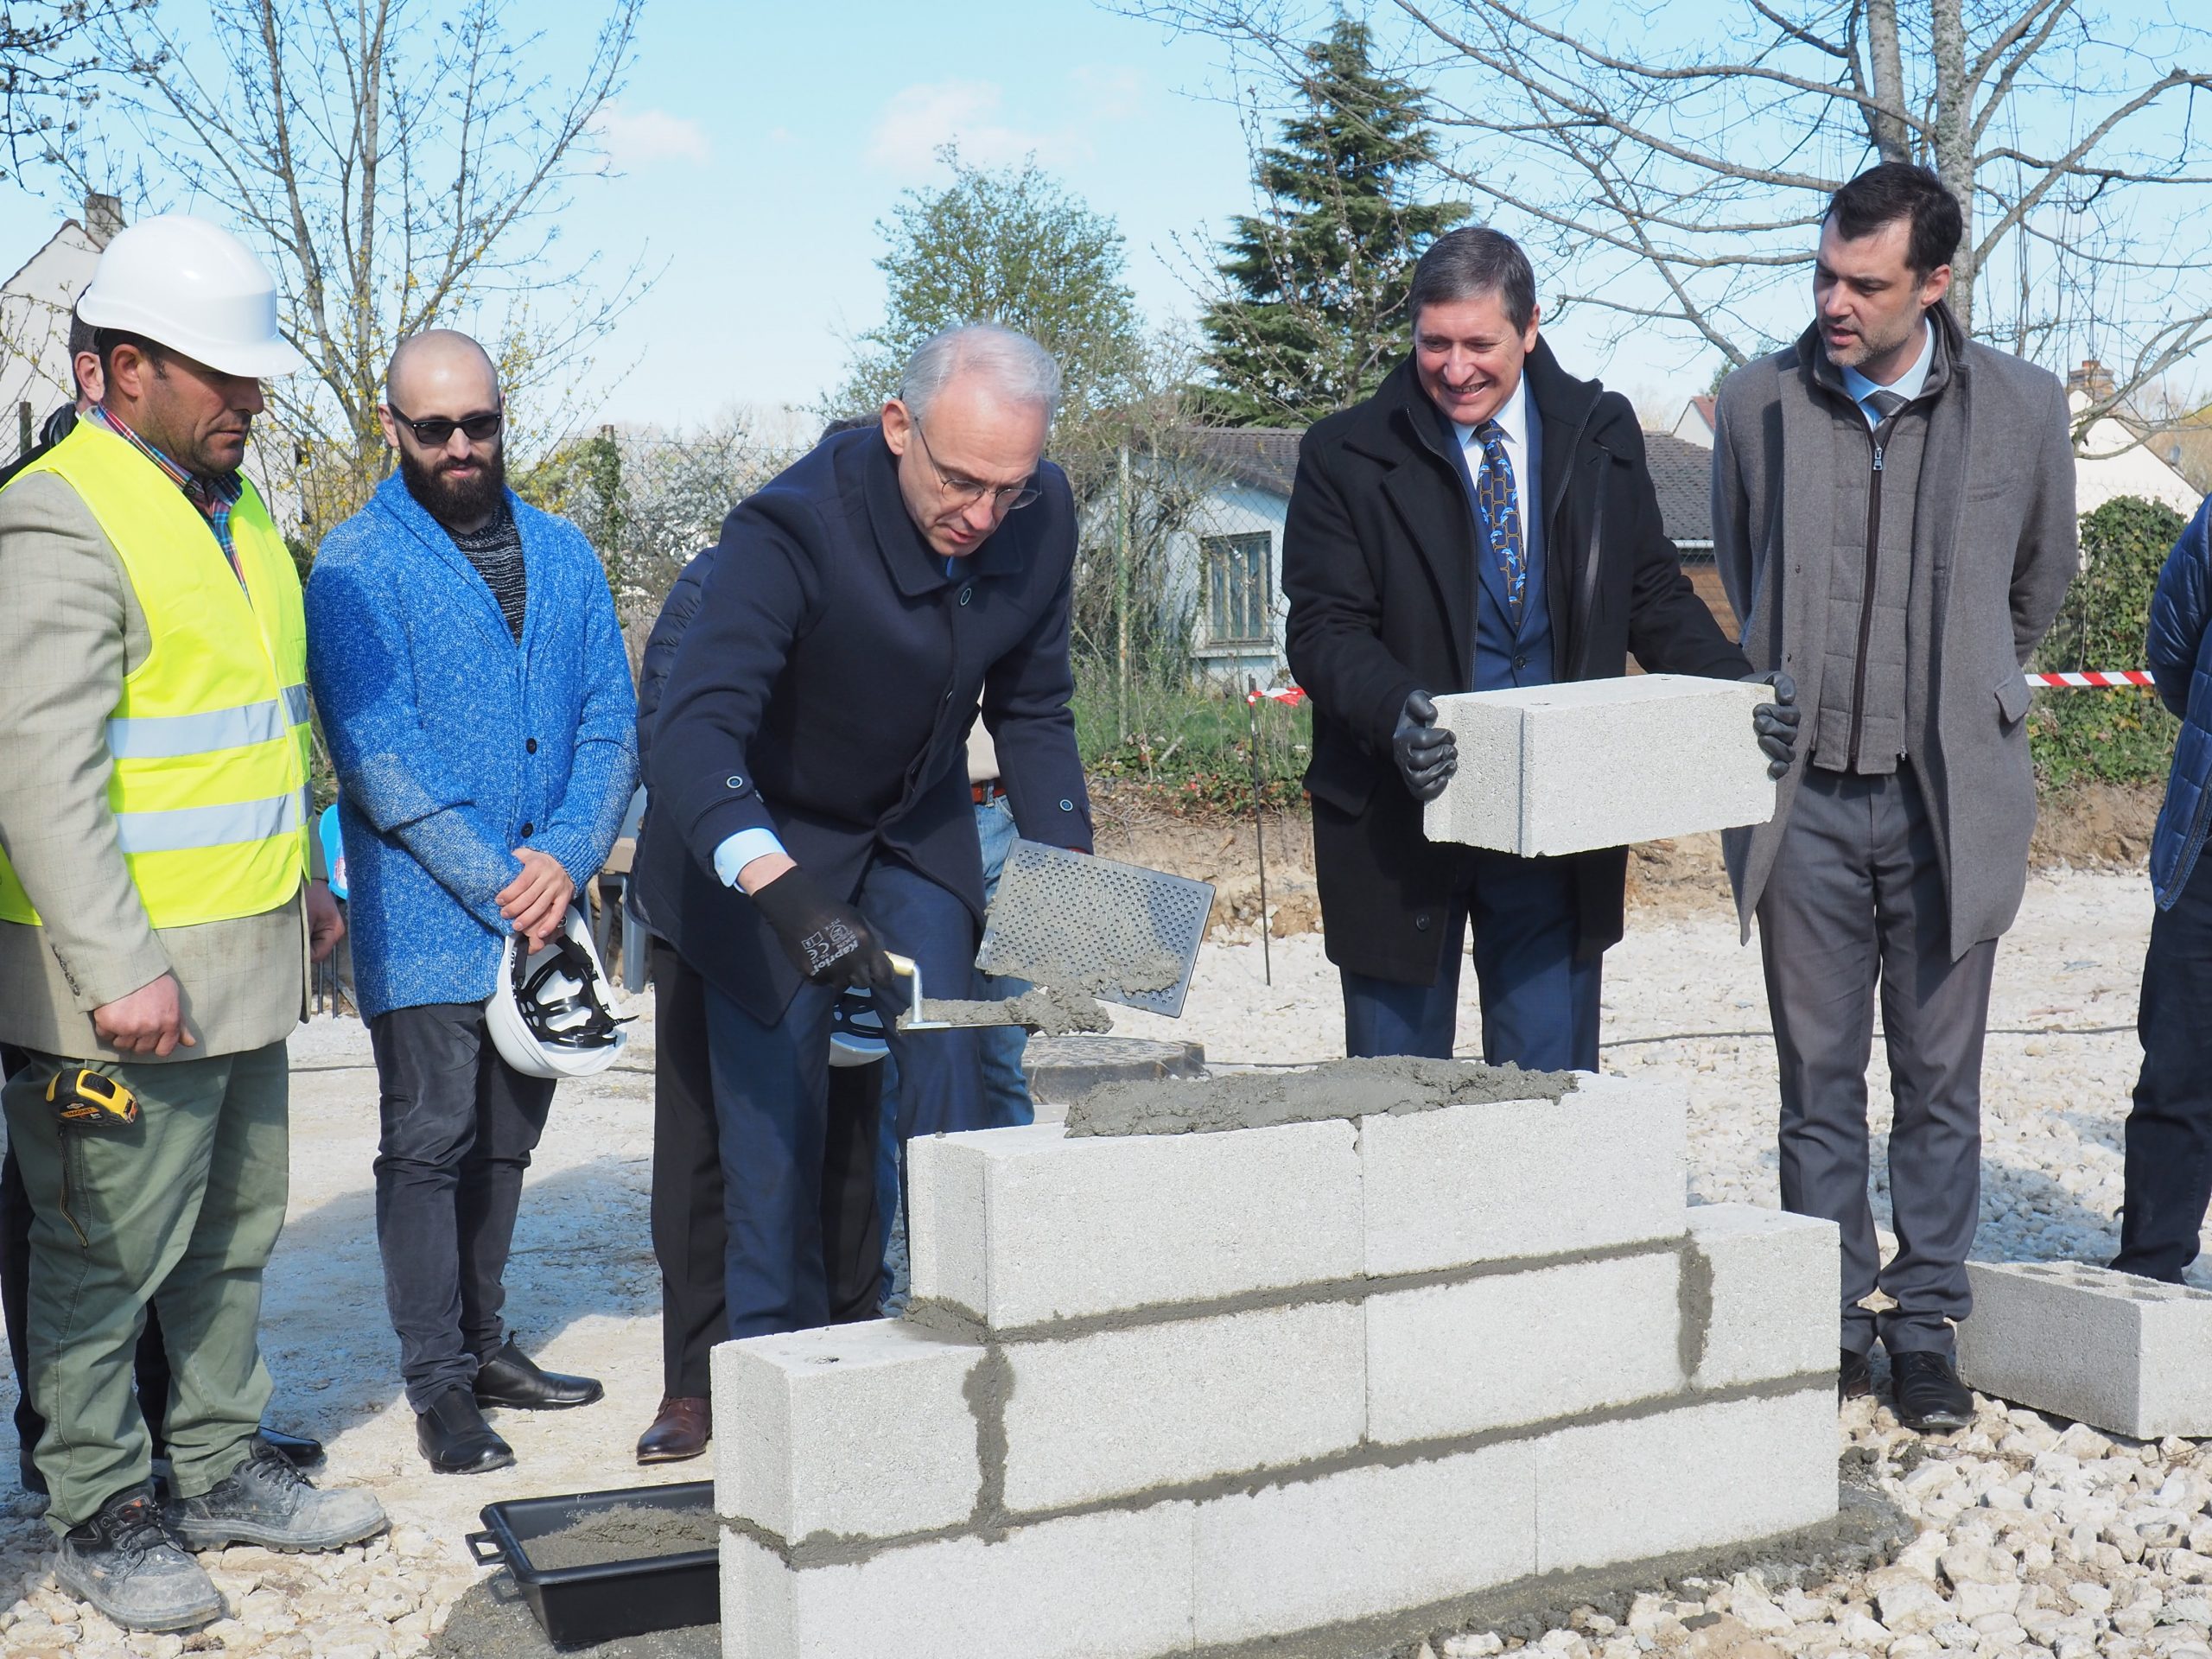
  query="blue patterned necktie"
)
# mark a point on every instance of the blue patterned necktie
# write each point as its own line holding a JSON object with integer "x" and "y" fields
{"x": 1501, "y": 508}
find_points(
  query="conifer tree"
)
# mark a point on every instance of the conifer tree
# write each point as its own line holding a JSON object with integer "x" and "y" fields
{"x": 1312, "y": 312}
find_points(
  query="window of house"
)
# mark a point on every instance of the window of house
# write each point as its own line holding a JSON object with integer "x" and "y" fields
{"x": 1237, "y": 587}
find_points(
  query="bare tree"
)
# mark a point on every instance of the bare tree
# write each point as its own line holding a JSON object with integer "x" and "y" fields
{"x": 46, "y": 61}
{"x": 1682, "y": 189}
{"x": 406, "y": 172}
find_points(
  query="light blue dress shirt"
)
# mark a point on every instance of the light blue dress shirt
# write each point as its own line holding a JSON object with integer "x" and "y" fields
{"x": 1907, "y": 386}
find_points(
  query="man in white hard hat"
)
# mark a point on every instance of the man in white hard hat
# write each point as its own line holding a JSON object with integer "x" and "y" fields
{"x": 156, "y": 921}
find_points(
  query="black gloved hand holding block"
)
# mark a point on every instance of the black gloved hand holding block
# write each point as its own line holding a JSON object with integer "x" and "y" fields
{"x": 1777, "y": 722}
{"x": 1426, "y": 753}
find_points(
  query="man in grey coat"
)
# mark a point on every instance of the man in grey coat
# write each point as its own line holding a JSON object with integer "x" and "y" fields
{"x": 1893, "y": 519}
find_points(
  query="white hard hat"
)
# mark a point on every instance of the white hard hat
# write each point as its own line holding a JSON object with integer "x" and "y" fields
{"x": 194, "y": 288}
{"x": 549, "y": 1016}
{"x": 855, "y": 1029}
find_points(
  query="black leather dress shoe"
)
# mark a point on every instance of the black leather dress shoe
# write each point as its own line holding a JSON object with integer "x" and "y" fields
{"x": 1855, "y": 1376}
{"x": 454, "y": 1437}
{"x": 679, "y": 1430}
{"x": 510, "y": 1378}
{"x": 1929, "y": 1396}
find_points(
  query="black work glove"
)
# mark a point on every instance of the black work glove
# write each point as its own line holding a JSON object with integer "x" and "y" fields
{"x": 828, "y": 942}
{"x": 1427, "y": 754}
{"x": 1775, "y": 722}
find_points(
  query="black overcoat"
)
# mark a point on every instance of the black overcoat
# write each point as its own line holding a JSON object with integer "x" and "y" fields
{"x": 826, "y": 689}
{"x": 1378, "y": 565}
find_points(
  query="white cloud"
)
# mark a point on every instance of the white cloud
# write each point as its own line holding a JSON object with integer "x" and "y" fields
{"x": 1109, "y": 92}
{"x": 918, "y": 119}
{"x": 637, "y": 137}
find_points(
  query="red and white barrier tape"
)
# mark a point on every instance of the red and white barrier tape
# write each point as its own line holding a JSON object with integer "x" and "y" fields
{"x": 2109, "y": 676}
{"x": 1292, "y": 695}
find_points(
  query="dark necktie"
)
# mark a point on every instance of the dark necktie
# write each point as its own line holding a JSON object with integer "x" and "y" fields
{"x": 1501, "y": 510}
{"x": 1885, "y": 404}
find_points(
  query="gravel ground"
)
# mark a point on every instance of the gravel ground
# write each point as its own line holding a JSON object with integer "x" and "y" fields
{"x": 2042, "y": 1537}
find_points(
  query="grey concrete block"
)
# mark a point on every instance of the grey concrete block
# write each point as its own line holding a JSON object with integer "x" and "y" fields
{"x": 1774, "y": 1285}
{"x": 1517, "y": 1348}
{"x": 1111, "y": 1585}
{"x": 1363, "y": 1542}
{"x": 1018, "y": 1227}
{"x": 1124, "y": 1411}
{"x": 1606, "y": 1163}
{"x": 854, "y": 1430}
{"x": 2130, "y": 1355}
{"x": 1698, "y": 1476}
{"x": 1601, "y": 763}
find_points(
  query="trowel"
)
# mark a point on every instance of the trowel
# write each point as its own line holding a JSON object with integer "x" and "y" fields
{"x": 974, "y": 1015}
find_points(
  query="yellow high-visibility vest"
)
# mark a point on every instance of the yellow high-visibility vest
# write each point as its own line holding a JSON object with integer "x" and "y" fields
{"x": 210, "y": 738}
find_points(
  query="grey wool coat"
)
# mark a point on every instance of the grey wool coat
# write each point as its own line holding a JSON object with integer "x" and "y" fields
{"x": 1995, "y": 544}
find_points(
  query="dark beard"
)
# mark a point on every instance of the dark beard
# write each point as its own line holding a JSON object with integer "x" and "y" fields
{"x": 450, "y": 500}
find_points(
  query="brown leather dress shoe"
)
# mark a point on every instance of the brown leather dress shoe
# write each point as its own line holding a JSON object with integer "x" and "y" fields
{"x": 681, "y": 1430}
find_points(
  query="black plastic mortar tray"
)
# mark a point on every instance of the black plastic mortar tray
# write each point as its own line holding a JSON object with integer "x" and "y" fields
{"x": 601, "y": 1601}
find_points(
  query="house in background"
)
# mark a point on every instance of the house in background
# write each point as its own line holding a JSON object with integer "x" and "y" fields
{"x": 2121, "y": 455}
{"x": 34, "y": 307}
{"x": 1694, "y": 423}
{"x": 34, "y": 375}
{"x": 1226, "y": 566}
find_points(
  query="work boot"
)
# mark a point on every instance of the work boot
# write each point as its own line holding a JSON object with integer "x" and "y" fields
{"x": 124, "y": 1563}
{"x": 510, "y": 1377}
{"x": 454, "y": 1437}
{"x": 266, "y": 1501}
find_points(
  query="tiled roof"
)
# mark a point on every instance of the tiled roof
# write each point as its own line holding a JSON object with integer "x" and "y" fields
{"x": 1681, "y": 473}
{"x": 1263, "y": 457}
{"x": 1266, "y": 458}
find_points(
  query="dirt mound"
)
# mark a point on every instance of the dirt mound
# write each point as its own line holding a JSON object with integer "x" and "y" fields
{"x": 2094, "y": 826}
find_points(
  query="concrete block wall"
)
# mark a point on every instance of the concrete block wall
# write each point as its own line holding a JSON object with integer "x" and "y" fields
{"x": 1565, "y": 768}
{"x": 1178, "y": 1393}
{"x": 2130, "y": 1355}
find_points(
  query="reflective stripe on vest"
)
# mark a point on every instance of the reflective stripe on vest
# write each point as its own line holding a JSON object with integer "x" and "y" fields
{"x": 209, "y": 790}
{"x": 148, "y": 736}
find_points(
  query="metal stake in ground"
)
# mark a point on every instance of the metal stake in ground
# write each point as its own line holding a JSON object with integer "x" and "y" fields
{"x": 1259, "y": 829}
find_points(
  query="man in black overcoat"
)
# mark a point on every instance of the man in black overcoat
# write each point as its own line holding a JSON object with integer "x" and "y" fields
{"x": 811, "y": 802}
{"x": 1485, "y": 520}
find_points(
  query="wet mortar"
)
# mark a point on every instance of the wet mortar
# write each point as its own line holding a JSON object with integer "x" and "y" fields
{"x": 1251, "y": 1100}
{"x": 629, "y": 1532}
{"x": 1049, "y": 1010}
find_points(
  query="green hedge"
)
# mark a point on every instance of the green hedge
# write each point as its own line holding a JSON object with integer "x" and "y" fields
{"x": 2121, "y": 735}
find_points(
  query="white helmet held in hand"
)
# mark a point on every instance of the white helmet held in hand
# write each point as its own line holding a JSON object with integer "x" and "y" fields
{"x": 855, "y": 1029}
{"x": 549, "y": 1018}
{"x": 194, "y": 288}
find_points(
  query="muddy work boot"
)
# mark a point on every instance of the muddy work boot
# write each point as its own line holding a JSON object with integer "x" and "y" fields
{"x": 266, "y": 1501}
{"x": 124, "y": 1563}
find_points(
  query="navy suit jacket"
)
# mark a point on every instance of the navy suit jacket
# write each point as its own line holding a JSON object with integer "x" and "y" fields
{"x": 826, "y": 689}
{"x": 1507, "y": 654}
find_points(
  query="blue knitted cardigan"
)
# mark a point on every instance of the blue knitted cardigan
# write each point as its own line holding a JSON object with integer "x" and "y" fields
{"x": 454, "y": 744}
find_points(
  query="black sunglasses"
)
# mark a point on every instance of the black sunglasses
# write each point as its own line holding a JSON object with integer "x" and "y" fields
{"x": 433, "y": 435}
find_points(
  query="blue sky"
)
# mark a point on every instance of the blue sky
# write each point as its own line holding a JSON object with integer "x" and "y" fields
{"x": 759, "y": 142}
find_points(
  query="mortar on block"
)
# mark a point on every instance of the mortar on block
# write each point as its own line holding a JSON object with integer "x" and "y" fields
{"x": 1302, "y": 1364}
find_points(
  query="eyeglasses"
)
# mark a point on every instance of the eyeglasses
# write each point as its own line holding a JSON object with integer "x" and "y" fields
{"x": 966, "y": 491}
{"x": 435, "y": 435}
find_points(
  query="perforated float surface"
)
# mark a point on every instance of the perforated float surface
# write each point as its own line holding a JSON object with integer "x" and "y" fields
{"x": 1122, "y": 932}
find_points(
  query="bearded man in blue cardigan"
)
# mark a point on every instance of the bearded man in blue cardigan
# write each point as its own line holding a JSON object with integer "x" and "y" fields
{"x": 464, "y": 653}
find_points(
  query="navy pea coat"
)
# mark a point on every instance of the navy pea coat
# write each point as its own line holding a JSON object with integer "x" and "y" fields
{"x": 825, "y": 690}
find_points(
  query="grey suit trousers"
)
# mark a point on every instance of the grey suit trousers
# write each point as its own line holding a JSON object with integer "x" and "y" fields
{"x": 1856, "y": 902}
